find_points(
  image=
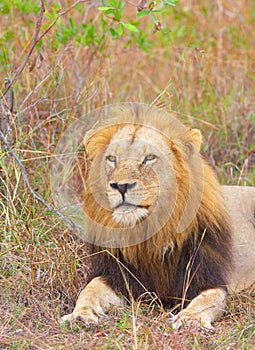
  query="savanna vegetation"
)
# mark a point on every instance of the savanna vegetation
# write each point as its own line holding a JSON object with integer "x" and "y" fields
{"x": 66, "y": 58}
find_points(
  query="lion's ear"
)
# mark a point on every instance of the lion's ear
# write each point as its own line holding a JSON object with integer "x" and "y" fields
{"x": 196, "y": 138}
{"x": 191, "y": 141}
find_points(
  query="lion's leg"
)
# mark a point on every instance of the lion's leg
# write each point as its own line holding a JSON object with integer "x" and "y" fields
{"x": 94, "y": 300}
{"x": 203, "y": 309}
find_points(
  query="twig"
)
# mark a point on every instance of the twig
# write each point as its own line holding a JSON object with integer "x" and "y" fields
{"x": 37, "y": 37}
{"x": 32, "y": 192}
{"x": 6, "y": 108}
{"x": 60, "y": 14}
{"x": 33, "y": 91}
{"x": 34, "y": 41}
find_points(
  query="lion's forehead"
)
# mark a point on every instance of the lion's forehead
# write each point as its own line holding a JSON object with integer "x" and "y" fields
{"x": 136, "y": 141}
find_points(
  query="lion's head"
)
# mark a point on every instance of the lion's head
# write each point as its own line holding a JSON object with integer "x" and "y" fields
{"x": 144, "y": 171}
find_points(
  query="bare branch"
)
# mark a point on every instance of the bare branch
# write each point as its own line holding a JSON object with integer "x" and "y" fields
{"x": 60, "y": 14}
{"x": 32, "y": 45}
{"x": 32, "y": 192}
{"x": 37, "y": 37}
{"x": 6, "y": 109}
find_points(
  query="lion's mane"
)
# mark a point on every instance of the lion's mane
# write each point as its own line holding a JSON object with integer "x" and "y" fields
{"x": 175, "y": 265}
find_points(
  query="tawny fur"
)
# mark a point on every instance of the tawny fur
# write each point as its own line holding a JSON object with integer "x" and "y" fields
{"x": 211, "y": 214}
{"x": 185, "y": 257}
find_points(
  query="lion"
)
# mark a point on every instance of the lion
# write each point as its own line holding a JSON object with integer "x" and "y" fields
{"x": 156, "y": 219}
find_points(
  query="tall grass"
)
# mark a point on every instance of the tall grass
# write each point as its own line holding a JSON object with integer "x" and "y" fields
{"x": 201, "y": 65}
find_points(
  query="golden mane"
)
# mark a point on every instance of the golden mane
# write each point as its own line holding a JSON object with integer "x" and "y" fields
{"x": 183, "y": 144}
{"x": 181, "y": 249}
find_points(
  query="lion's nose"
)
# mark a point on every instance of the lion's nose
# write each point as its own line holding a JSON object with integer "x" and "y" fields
{"x": 122, "y": 188}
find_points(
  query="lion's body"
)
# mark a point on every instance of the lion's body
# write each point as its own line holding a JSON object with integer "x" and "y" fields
{"x": 240, "y": 204}
{"x": 157, "y": 192}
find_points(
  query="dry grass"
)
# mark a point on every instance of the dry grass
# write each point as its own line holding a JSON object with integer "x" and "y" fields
{"x": 205, "y": 70}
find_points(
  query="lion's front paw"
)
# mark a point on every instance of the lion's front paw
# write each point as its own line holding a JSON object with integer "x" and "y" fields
{"x": 202, "y": 310}
{"x": 86, "y": 315}
{"x": 93, "y": 302}
{"x": 185, "y": 319}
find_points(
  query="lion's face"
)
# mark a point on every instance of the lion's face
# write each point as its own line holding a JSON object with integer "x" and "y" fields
{"x": 143, "y": 172}
{"x": 137, "y": 166}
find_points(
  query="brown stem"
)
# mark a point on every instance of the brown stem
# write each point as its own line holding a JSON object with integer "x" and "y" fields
{"x": 37, "y": 37}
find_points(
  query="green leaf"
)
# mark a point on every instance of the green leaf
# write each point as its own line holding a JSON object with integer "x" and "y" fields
{"x": 113, "y": 3}
{"x": 113, "y": 33}
{"x": 128, "y": 43}
{"x": 105, "y": 8}
{"x": 56, "y": 7}
{"x": 171, "y": 2}
{"x": 110, "y": 11}
{"x": 71, "y": 22}
{"x": 130, "y": 27}
{"x": 151, "y": 5}
{"x": 143, "y": 13}
{"x": 120, "y": 29}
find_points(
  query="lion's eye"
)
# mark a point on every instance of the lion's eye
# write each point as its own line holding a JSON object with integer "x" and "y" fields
{"x": 150, "y": 158}
{"x": 111, "y": 159}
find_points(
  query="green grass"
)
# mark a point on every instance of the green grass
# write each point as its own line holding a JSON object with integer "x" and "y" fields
{"x": 202, "y": 66}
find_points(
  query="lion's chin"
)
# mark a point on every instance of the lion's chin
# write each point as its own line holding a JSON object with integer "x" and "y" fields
{"x": 129, "y": 216}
